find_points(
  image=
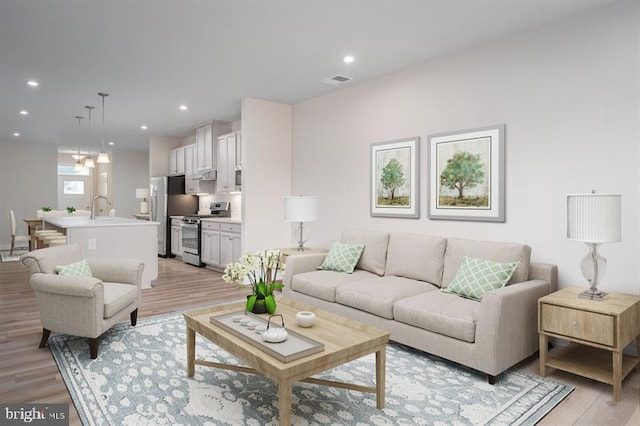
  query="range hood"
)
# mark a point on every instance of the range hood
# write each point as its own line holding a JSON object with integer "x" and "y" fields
{"x": 204, "y": 175}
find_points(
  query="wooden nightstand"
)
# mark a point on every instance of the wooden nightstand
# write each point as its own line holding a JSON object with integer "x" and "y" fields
{"x": 598, "y": 331}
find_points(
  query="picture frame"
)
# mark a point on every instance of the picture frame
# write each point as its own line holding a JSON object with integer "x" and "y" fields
{"x": 466, "y": 174}
{"x": 394, "y": 178}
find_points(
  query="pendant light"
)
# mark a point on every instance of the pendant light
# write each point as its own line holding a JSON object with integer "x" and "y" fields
{"x": 78, "y": 166}
{"x": 103, "y": 157}
{"x": 88, "y": 162}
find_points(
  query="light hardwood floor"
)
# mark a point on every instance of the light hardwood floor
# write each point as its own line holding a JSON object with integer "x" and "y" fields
{"x": 29, "y": 374}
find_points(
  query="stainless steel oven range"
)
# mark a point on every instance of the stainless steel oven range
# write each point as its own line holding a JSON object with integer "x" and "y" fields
{"x": 191, "y": 227}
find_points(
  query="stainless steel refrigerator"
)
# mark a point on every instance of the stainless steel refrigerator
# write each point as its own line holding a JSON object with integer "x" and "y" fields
{"x": 168, "y": 199}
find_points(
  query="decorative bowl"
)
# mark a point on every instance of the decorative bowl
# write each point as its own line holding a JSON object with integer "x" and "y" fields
{"x": 305, "y": 318}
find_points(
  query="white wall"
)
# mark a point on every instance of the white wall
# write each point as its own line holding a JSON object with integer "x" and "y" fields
{"x": 159, "y": 148}
{"x": 28, "y": 176}
{"x": 130, "y": 171}
{"x": 266, "y": 173}
{"x": 568, "y": 94}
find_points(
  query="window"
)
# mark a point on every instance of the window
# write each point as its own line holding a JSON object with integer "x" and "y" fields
{"x": 73, "y": 187}
{"x": 68, "y": 169}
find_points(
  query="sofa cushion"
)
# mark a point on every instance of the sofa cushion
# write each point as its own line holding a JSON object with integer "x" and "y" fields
{"x": 478, "y": 276}
{"x": 374, "y": 255}
{"x": 117, "y": 296}
{"x": 322, "y": 284}
{"x": 342, "y": 257}
{"x": 377, "y": 295}
{"x": 416, "y": 256}
{"x": 441, "y": 313}
{"x": 458, "y": 248}
{"x": 76, "y": 269}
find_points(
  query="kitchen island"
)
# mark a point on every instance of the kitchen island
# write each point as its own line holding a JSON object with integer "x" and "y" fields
{"x": 112, "y": 237}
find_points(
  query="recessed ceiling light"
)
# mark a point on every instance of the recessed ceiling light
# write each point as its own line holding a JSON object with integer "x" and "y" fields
{"x": 32, "y": 83}
{"x": 24, "y": 112}
{"x": 112, "y": 143}
{"x": 144, "y": 127}
{"x": 183, "y": 108}
{"x": 348, "y": 59}
{"x": 16, "y": 134}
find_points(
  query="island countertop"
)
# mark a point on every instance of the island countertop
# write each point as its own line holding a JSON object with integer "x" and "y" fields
{"x": 66, "y": 222}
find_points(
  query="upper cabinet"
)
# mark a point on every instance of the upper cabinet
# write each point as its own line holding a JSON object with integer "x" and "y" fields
{"x": 229, "y": 161}
{"x": 204, "y": 147}
{"x": 206, "y": 138}
{"x": 177, "y": 161}
{"x": 193, "y": 184}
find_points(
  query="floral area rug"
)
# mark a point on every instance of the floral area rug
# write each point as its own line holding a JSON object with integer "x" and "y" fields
{"x": 140, "y": 378}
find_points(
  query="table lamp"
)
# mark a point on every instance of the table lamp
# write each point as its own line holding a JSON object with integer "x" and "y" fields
{"x": 594, "y": 219}
{"x": 143, "y": 193}
{"x": 301, "y": 209}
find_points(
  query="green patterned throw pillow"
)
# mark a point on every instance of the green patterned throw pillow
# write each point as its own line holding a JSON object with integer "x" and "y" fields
{"x": 477, "y": 277}
{"x": 342, "y": 257}
{"x": 78, "y": 269}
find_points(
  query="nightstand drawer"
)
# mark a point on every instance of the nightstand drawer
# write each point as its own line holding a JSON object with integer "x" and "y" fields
{"x": 583, "y": 325}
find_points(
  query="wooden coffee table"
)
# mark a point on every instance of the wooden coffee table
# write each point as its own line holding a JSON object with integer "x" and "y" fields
{"x": 344, "y": 340}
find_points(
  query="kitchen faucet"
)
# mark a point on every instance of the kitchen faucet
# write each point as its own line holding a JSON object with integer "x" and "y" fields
{"x": 93, "y": 205}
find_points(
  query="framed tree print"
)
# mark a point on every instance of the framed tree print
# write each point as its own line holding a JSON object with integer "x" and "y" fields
{"x": 394, "y": 178}
{"x": 466, "y": 175}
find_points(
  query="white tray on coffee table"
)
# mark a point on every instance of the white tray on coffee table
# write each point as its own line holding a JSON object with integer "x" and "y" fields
{"x": 295, "y": 347}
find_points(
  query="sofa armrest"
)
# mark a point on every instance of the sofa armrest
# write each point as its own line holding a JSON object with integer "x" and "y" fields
{"x": 69, "y": 304}
{"x": 125, "y": 271}
{"x": 300, "y": 263}
{"x": 507, "y": 323}
{"x": 546, "y": 272}
{"x": 66, "y": 285}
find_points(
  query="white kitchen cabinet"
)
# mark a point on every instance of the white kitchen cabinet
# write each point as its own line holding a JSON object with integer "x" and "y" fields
{"x": 238, "y": 164}
{"x": 221, "y": 243}
{"x": 176, "y": 237}
{"x": 189, "y": 160}
{"x": 206, "y": 144}
{"x": 228, "y": 163}
{"x": 230, "y": 243}
{"x": 194, "y": 186}
{"x": 210, "y": 244}
{"x": 177, "y": 161}
{"x": 204, "y": 148}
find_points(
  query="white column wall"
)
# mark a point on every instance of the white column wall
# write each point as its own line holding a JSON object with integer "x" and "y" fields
{"x": 266, "y": 173}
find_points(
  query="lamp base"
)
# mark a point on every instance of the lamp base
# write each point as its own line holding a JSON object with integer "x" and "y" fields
{"x": 302, "y": 237}
{"x": 593, "y": 295}
{"x": 144, "y": 207}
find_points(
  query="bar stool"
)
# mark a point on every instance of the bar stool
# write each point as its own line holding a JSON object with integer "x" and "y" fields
{"x": 48, "y": 238}
{"x": 41, "y": 234}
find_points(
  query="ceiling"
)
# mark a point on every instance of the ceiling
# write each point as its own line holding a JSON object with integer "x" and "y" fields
{"x": 152, "y": 56}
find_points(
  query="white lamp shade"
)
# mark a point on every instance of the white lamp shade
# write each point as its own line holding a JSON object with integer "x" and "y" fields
{"x": 142, "y": 192}
{"x": 103, "y": 158}
{"x": 594, "y": 218}
{"x": 301, "y": 209}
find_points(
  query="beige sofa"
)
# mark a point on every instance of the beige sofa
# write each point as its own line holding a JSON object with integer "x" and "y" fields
{"x": 397, "y": 285}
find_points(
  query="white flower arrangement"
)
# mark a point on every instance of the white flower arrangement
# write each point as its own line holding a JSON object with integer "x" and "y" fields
{"x": 261, "y": 270}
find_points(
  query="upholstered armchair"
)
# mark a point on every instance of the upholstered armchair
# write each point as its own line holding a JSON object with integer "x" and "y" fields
{"x": 85, "y": 305}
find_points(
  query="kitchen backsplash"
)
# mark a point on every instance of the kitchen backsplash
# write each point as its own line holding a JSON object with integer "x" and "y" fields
{"x": 234, "y": 199}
